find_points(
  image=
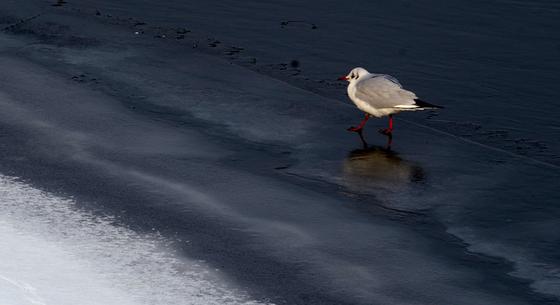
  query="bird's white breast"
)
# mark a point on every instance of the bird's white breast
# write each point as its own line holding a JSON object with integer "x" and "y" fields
{"x": 365, "y": 106}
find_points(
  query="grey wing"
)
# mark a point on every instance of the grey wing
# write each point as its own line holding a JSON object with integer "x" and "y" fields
{"x": 384, "y": 91}
{"x": 390, "y": 78}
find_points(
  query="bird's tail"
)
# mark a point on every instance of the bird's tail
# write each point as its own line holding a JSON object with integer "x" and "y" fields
{"x": 420, "y": 103}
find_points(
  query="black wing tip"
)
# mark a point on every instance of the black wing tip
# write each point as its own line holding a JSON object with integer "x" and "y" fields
{"x": 422, "y": 104}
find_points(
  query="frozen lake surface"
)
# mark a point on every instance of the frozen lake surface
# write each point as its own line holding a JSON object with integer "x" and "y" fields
{"x": 197, "y": 153}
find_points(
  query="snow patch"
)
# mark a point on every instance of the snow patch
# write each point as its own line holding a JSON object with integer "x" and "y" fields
{"x": 53, "y": 253}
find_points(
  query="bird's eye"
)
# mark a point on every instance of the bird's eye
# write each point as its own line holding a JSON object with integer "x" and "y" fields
{"x": 353, "y": 75}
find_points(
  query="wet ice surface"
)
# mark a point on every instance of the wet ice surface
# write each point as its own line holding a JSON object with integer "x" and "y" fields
{"x": 489, "y": 57}
{"x": 261, "y": 177}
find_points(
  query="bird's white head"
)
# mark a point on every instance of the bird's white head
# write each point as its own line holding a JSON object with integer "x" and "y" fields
{"x": 355, "y": 74}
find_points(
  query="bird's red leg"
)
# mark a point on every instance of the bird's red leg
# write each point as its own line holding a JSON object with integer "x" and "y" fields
{"x": 388, "y": 131}
{"x": 361, "y": 126}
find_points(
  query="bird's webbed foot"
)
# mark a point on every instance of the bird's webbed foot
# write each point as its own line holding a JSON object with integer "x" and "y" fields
{"x": 386, "y": 131}
{"x": 355, "y": 129}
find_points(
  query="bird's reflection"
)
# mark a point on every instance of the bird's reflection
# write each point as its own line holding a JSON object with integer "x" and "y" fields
{"x": 365, "y": 144}
{"x": 377, "y": 167}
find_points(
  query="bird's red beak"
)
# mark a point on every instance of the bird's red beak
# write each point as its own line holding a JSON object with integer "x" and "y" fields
{"x": 343, "y": 77}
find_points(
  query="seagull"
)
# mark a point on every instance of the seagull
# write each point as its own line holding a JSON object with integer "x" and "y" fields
{"x": 380, "y": 95}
